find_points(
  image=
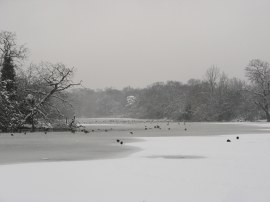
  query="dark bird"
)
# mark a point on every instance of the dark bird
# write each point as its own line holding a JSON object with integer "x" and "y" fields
{"x": 106, "y": 130}
{"x": 86, "y": 131}
{"x": 117, "y": 140}
{"x": 185, "y": 129}
{"x": 121, "y": 142}
{"x": 25, "y": 132}
{"x": 45, "y": 132}
{"x": 11, "y": 134}
{"x": 93, "y": 130}
{"x": 145, "y": 128}
{"x": 228, "y": 140}
{"x": 131, "y": 133}
{"x": 237, "y": 138}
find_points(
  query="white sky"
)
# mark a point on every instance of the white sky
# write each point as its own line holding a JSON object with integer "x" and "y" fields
{"x": 116, "y": 43}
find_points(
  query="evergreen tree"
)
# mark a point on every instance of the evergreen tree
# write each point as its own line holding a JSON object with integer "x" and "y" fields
{"x": 8, "y": 75}
{"x": 10, "y": 53}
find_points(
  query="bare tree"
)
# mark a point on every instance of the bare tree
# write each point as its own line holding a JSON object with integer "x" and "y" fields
{"x": 212, "y": 75}
{"x": 9, "y": 47}
{"x": 48, "y": 82}
{"x": 258, "y": 72}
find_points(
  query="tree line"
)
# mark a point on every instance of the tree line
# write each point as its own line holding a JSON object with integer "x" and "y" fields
{"x": 214, "y": 98}
{"x": 39, "y": 95}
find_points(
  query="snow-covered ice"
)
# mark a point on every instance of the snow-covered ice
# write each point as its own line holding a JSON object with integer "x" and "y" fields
{"x": 167, "y": 169}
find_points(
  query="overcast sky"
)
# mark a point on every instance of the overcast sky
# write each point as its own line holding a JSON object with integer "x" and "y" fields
{"x": 117, "y": 43}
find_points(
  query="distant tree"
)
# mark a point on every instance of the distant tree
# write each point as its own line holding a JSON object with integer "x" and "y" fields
{"x": 212, "y": 75}
{"x": 211, "y": 82}
{"x": 152, "y": 101}
{"x": 84, "y": 102}
{"x": 197, "y": 100}
{"x": 258, "y": 73}
{"x": 215, "y": 98}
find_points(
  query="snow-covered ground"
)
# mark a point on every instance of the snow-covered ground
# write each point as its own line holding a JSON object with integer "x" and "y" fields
{"x": 167, "y": 169}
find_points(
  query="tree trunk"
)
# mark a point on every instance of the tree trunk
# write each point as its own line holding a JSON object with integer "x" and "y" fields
{"x": 266, "y": 109}
{"x": 267, "y": 116}
{"x": 33, "y": 124}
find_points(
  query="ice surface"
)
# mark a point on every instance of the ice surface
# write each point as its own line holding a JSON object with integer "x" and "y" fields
{"x": 167, "y": 169}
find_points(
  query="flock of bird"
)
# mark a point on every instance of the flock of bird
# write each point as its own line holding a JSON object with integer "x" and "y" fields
{"x": 120, "y": 141}
{"x": 84, "y": 130}
{"x": 237, "y": 137}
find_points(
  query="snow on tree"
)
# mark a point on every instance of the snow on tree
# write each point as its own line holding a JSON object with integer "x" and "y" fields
{"x": 45, "y": 88}
{"x": 131, "y": 100}
{"x": 10, "y": 53}
{"x": 10, "y": 115}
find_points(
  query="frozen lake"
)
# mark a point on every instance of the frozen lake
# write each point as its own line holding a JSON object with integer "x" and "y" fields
{"x": 171, "y": 165}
